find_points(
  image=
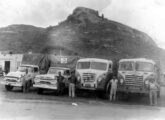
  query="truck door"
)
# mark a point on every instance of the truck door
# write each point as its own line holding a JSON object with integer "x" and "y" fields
{"x": 7, "y": 67}
{"x": 36, "y": 71}
{"x": 110, "y": 68}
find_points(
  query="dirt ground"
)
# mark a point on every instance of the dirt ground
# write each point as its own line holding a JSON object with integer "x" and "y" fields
{"x": 16, "y": 105}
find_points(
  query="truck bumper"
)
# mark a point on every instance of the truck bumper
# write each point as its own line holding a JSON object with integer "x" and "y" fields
{"x": 132, "y": 89}
{"x": 45, "y": 86}
{"x": 87, "y": 86}
{"x": 15, "y": 84}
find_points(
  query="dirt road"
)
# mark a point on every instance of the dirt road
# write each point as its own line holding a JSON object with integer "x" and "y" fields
{"x": 16, "y": 105}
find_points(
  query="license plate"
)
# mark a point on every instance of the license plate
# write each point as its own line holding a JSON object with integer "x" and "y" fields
{"x": 134, "y": 88}
{"x": 87, "y": 85}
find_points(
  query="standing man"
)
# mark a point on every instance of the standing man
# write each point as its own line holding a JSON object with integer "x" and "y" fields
{"x": 153, "y": 88}
{"x": 60, "y": 84}
{"x": 26, "y": 84}
{"x": 72, "y": 83}
{"x": 113, "y": 89}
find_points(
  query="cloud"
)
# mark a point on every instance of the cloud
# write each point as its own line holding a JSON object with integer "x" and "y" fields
{"x": 145, "y": 15}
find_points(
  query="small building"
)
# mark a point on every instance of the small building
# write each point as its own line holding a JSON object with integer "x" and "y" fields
{"x": 10, "y": 62}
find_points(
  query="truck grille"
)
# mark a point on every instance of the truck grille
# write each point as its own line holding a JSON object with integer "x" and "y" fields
{"x": 11, "y": 80}
{"x": 44, "y": 82}
{"x": 139, "y": 81}
{"x": 89, "y": 77}
{"x": 46, "y": 78}
{"x": 131, "y": 80}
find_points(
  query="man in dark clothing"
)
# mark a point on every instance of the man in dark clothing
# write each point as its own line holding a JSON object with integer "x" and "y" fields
{"x": 72, "y": 83}
{"x": 26, "y": 82}
{"x": 60, "y": 84}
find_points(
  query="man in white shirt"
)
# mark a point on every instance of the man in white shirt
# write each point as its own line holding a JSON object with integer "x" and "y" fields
{"x": 153, "y": 87}
{"x": 113, "y": 89}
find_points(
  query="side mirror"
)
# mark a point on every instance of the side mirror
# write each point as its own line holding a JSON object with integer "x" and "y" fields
{"x": 4, "y": 74}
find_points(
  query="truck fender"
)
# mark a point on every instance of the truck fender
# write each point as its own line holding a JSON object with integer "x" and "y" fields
{"x": 108, "y": 86}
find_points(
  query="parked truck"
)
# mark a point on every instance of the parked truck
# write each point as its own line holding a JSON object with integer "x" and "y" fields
{"x": 49, "y": 81}
{"x": 55, "y": 64}
{"x": 15, "y": 79}
{"x": 94, "y": 73}
{"x": 134, "y": 75}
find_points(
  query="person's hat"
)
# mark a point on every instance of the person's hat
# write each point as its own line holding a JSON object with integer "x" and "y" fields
{"x": 114, "y": 77}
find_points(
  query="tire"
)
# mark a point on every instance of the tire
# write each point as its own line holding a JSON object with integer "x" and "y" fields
{"x": 158, "y": 94}
{"x": 25, "y": 88}
{"x": 107, "y": 91}
{"x": 40, "y": 91}
{"x": 22, "y": 89}
{"x": 8, "y": 87}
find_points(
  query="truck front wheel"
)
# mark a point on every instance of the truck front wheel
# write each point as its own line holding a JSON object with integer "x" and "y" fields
{"x": 8, "y": 87}
{"x": 158, "y": 94}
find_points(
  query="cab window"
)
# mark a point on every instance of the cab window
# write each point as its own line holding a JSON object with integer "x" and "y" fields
{"x": 126, "y": 66}
{"x": 35, "y": 69}
{"x": 67, "y": 72}
{"x": 110, "y": 67}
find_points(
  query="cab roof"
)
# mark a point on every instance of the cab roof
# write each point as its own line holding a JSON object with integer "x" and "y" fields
{"x": 137, "y": 60}
{"x": 26, "y": 65}
{"x": 94, "y": 59}
{"x": 64, "y": 68}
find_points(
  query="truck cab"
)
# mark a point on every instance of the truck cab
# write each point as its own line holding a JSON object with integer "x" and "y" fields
{"x": 93, "y": 73}
{"x": 15, "y": 79}
{"x": 134, "y": 75}
{"x": 49, "y": 81}
{"x": 1, "y": 71}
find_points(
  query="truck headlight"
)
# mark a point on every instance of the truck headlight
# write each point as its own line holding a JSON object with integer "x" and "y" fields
{"x": 121, "y": 81}
{"x": 101, "y": 77}
{"x": 19, "y": 79}
{"x": 146, "y": 82}
{"x": 54, "y": 82}
{"x": 4, "y": 78}
{"x": 36, "y": 79}
{"x": 78, "y": 78}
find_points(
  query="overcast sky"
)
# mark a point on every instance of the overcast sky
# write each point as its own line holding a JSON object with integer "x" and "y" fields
{"x": 145, "y": 15}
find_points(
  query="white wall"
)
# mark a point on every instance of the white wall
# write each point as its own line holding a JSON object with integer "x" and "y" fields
{"x": 15, "y": 60}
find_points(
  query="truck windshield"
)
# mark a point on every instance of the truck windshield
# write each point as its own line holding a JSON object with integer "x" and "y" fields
{"x": 92, "y": 65}
{"x": 144, "y": 66}
{"x": 24, "y": 68}
{"x": 83, "y": 65}
{"x": 57, "y": 70}
{"x": 98, "y": 65}
{"x": 126, "y": 66}
{"x": 54, "y": 71}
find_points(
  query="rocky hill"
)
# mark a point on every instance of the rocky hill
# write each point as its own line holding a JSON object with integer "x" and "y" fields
{"x": 84, "y": 33}
{"x": 88, "y": 34}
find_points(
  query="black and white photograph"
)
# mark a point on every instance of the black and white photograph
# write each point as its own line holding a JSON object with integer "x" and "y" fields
{"x": 82, "y": 59}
